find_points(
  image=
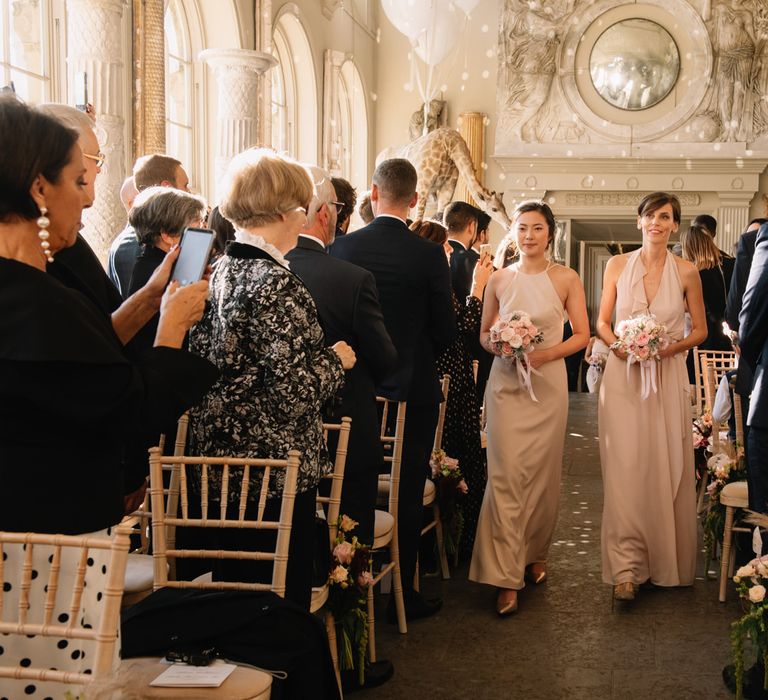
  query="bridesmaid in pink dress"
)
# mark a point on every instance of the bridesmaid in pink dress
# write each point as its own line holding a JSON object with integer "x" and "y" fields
{"x": 646, "y": 450}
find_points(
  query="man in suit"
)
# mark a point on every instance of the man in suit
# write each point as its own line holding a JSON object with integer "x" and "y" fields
{"x": 461, "y": 221}
{"x": 348, "y": 306}
{"x": 753, "y": 343}
{"x": 413, "y": 280}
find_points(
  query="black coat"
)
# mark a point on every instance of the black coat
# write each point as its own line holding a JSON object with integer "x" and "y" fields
{"x": 463, "y": 263}
{"x": 70, "y": 399}
{"x": 753, "y": 331}
{"x": 413, "y": 280}
{"x": 148, "y": 261}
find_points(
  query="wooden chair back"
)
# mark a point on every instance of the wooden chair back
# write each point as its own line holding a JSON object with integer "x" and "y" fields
{"x": 213, "y": 501}
{"x": 332, "y": 502}
{"x": 444, "y": 386}
{"x": 26, "y": 621}
{"x": 721, "y": 360}
{"x": 392, "y": 441}
{"x": 738, "y": 417}
{"x": 710, "y": 390}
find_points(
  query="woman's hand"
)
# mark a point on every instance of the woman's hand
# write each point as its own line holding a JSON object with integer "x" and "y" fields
{"x": 481, "y": 275}
{"x": 537, "y": 358}
{"x": 154, "y": 289}
{"x": 620, "y": 353}
{"x": 669, "y": 351}
{"x": 346, "y": 354}
{"x": 180, "y": 309}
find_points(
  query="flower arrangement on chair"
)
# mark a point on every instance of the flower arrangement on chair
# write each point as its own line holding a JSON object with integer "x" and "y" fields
{"x": 348, "y": 582}
{"x": 751, "y": 582}
{"x": 450, "y": 485}
{"x": 702, "y": 431}
{"x": 723, "y": 470}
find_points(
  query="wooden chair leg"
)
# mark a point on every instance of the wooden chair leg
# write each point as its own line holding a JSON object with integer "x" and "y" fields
{"x": 725, "y": 553}
{"x": 416, "y": 575}
{"x": 371, "y": 627}
{"x": 330, "y": 630}
{"x": 397, "y": 591}
{"x": 444, "y": 570}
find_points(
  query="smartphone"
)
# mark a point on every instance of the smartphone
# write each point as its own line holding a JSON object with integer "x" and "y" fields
{"x": 196, "y": 244}
{"x": 81, "y": 91}
{"x": 485, "y": 248}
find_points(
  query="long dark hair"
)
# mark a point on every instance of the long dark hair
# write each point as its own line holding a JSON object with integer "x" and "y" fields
{"x": 32, "y": 144}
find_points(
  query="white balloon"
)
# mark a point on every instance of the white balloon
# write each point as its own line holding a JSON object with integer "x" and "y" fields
{"x": 435, "y": 44}
{"x": 467, "y": 5}
{"x": 410, "y": 17}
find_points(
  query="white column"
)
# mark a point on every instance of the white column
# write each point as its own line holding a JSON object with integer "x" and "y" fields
{"x": 237, "y": 74}
{"x": 95, "y": 46}
{"x": 331, "y": 117}
{"x": 732, "y": 219}
{"x": 264, "y": 43}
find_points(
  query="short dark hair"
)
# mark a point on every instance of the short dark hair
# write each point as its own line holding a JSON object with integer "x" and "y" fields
{"x": 656, "y": 200}
{"x": 706, "y": 221}
{"x": 483, "y": 221}
{"x": 32, "y": 144}
{"x": 152, "y": 170}
{"x": 544, "y": 210}
{"x": 459, "y": 215}
{"x": 223, "y": 229}
{"x": 431, "y": 230}
{"x": 759, "y": 220}
{"x": 159, "y": 209}
{"x": 396, "y": 179}
{"x": 345, "y": 193}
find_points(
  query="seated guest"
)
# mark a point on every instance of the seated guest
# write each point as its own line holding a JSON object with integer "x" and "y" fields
{"x": 224, "y": 230}
{"x": 347, "y": 196}
{"x": 159, "y": 217}
{"x": 148, "y": 171}
{"x": 364, "y": 209}
{"x": 69, "y": 396}
{"x": 261, "y": 329}
{"x": 128, "y": 193}
{"x": 461, "y": 432}
{"x": 461, "y": 221}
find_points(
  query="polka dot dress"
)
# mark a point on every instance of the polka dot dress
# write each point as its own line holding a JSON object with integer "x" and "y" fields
{"x": 51, "y": 653}
{"x": 461, "y": 433}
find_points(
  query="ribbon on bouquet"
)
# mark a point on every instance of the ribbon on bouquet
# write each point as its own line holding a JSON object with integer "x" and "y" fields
{"x": 524, "y": 372}
{"x": 647, "y": 375}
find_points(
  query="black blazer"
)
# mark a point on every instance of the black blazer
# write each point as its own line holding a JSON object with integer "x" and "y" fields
{"x": 414, "y": 285}
{"x": 348, "y": 306}
{"x": 753, "y": 331}
{"x": 463, "y": 263}
{"x": 744, "y": 254}
{"x": 70, "y": 400}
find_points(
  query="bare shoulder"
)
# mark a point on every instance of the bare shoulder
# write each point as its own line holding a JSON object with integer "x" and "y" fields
{"x": 685, "y": 267}
{"x": 617, "y": 263}
{"x": 561, "y": 272}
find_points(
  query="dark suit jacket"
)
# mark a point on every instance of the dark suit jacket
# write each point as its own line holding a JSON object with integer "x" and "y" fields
{"x": 753, "y": 331}
{"x": 744, "y": 254}
{"x": 348, "y": 306}
{"x": 123, "y": 253}
{"x": 413, "y": 280}
{"x": 463, "y": 263}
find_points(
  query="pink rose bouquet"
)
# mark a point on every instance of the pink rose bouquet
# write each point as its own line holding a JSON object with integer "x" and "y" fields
{"x": 450, "y": 486}
{"x": 642, "y": 338}
{"x": 348, "y": 580}
{"x": 513, "y": 337}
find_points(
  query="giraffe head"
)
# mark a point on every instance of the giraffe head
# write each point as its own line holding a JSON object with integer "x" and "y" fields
{"x": 492, "y": 204}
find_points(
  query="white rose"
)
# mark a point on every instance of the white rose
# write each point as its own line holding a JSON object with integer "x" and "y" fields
{"x": 756, "y": 594}
{"x": 506, "y": 334}
{"x": 746, "y": 571}
{"x": 516, "y": 341}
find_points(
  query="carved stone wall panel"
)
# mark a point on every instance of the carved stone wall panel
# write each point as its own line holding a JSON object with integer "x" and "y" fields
{"x": 94, "y": 46}
{"x": 622, "y": 199}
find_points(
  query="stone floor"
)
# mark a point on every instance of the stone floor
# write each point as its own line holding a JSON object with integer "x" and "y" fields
{"x": 566, "y": 640}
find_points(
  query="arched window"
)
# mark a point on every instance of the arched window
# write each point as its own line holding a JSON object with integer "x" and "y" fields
{"x": 353, "y": 126}
{"x": 294, "y": 91}
{"x": 179, "y": 89}
{"x": 25, "y": 50}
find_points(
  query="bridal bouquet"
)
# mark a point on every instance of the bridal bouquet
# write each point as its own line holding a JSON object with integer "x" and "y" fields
{"x": 450, "y": 485}
{"x": 642, "y": 338}
{"x": 513, "y": 338}
{"x": 348, "y": 581}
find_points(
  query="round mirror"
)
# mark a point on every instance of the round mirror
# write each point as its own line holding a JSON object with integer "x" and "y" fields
{"x": 634, "y": 64}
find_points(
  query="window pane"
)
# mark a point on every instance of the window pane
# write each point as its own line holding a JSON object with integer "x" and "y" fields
{"x": 175, "y": 30}
{"x": 179, "y": 144}
{"x": 26, "y": 50}
{"x": 177, "y": 91}
{"x": 30, "y": 89}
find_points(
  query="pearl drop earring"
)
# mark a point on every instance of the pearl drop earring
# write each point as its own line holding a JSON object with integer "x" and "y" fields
{"x": 44, "y": 222}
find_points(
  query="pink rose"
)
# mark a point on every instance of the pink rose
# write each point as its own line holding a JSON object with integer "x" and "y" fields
{"x": 533, "y": 330}
{"x": 506, "y": 348}
{"x": 365, "y": 579}
{"x": 757, "y": 594}
{"x": 340, "y": 575}
{"x": 343, "y": 552}
{"x": 642, "y": 339}
{"x": 347, "y": 523}
{"x": 451, "y": 463}
{"x": 643, "y": 353}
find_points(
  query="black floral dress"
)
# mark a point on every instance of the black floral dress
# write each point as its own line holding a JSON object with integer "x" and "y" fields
{"x": 260, "y": 329}
{"x": 461, "y": 434}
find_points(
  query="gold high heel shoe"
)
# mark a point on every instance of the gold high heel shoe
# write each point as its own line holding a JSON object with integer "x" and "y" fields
{"x": 625, "y": 591}
{"x": 536, "y": 577}
{"x": 506, "y": 602}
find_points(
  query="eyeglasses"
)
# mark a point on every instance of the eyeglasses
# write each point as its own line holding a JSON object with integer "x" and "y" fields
{"x": 99, "y": 158}
{"x": 339, "y": 206}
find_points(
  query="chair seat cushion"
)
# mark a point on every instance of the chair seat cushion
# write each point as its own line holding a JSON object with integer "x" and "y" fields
{"x": 735, "y": 494}
{"x": 243, "y": 684}
{"x": 383, "y": 528}
{"x": 319, "y": 596}
{"x": 139, "y": 573}
{"x": 383, "y": 494}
